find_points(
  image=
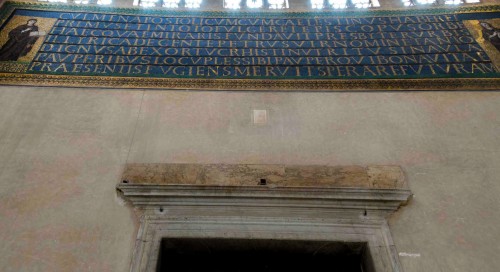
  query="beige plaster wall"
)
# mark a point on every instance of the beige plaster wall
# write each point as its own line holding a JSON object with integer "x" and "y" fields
{"x": 62, "y": 152}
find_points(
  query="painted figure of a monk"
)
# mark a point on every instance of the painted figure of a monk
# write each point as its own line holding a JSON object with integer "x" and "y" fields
{"x": 21, "y": 40}
{"x": 491, "y": 34}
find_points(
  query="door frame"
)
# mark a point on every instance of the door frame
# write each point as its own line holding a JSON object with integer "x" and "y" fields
{"x": 264, "y": 212}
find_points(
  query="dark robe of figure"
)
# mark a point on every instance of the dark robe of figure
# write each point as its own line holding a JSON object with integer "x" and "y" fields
{"x": 20, "y": 42}
{"x": 491, "y": 34}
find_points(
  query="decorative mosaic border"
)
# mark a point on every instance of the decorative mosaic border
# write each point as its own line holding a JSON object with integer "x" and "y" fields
{"x": 416, "y": 84}
{"x": 253, "y": 84}
{"x": 9, "y": 7}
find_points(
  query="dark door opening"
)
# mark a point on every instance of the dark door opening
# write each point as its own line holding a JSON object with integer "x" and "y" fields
{"x": 255, "y": 255}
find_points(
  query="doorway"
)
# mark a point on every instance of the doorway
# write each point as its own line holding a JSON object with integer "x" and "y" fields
{"x": 263, "y": 255}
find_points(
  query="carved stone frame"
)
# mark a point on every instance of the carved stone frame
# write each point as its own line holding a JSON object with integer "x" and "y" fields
{"x": 262, "y": 212}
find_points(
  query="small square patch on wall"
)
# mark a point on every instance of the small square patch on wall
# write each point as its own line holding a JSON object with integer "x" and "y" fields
{"x": 259, "y": 117}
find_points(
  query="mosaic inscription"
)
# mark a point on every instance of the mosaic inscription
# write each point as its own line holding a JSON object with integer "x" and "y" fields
{"x": 225, "y": 47}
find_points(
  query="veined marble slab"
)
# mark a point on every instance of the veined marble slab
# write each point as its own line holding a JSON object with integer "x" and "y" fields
{"x": 375, "y": 176}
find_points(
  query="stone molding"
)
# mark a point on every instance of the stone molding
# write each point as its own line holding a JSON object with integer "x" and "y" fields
{"x": 380, "y": 201}
{"x": 264, "y": 212}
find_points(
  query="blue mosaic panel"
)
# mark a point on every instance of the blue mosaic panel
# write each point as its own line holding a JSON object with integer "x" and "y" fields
{"x": 228, "y": 46}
